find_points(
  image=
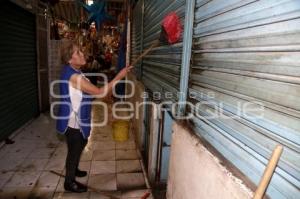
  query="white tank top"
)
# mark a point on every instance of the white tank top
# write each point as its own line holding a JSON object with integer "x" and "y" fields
{"x": 76, "y": 97}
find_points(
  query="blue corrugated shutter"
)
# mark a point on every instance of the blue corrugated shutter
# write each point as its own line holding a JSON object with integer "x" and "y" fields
{"x": 247, "y": 54}
{"x": 161, "y": 67}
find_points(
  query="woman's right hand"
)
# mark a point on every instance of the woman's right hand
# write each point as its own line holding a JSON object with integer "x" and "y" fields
{"x": 81, "y": 83}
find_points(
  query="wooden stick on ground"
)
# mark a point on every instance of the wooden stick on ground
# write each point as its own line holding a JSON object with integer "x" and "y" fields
{"x": 90, "y": 188}
{"x": 268, "y": 173}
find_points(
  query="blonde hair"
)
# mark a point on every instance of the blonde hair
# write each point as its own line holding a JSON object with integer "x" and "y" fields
{"x": 66, "y": 51}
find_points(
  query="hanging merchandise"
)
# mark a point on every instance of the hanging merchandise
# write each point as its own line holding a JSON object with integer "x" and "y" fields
{"x": 93, "y": 33}
{"x": 84, "y": 25}
{"x": 63, "y": 28}
{"x": 97, "y": 12}
{"x": 54, "y": 26}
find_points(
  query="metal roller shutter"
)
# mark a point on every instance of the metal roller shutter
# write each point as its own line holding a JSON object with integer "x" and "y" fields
{"x": 137, "y": 35}
{"x": 161, "y": 67}
{"x": 246, "y": 54}
{"x": 18, "y": 80}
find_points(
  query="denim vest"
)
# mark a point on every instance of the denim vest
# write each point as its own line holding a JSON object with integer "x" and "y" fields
{"x": 65, "y": 107}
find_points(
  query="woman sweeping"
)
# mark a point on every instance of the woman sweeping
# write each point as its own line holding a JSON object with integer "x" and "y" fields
{"x": 74, "y": 115}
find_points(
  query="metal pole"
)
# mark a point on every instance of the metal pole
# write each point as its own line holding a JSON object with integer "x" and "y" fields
{"x": 186, "y": 56}
{"x": 142, "y": 39}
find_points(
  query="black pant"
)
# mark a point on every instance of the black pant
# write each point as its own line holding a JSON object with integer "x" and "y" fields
{"x": 76, "y": 144}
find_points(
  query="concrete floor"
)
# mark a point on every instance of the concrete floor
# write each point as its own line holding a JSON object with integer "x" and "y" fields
{"x": 113, "y": 167}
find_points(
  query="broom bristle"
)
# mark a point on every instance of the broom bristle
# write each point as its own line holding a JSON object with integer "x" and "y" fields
{"x": 171, "y": 29}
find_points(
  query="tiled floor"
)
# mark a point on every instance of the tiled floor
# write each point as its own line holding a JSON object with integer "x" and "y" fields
{"x": 114, "y": 169}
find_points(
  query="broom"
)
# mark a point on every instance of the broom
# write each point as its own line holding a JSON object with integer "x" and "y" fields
{"x": 171, "y": 30}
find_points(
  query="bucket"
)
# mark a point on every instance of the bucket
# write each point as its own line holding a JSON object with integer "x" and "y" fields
{"x": 120, "y": 130}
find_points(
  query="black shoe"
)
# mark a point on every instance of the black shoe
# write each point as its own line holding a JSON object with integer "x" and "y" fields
{"x": 75, "y": 187}
{"x": 80, "y": 173}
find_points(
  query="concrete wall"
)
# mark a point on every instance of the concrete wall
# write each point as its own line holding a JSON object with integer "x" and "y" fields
{"x": 195, "y": 173}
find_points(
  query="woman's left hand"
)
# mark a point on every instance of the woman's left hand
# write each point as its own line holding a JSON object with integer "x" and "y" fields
{"x": 124, "y": 72}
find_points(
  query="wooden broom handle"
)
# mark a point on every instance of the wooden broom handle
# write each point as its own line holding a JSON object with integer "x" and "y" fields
{"x": 154, "y": 44}
{"x": 265, "y": 180}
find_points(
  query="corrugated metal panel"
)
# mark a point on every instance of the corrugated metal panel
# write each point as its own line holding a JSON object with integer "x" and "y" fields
{"x": 137, "y": 35}
{"x": 186, "y": 57}
{"x": 68, "y": 11}
{"x": 248, "y": 52}
{"x": 161, "y": 67}
{"x": 166, "y": 146}
{"x": 18, "y": 80}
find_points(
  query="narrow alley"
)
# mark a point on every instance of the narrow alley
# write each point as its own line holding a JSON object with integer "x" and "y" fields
{"x": 150, "y": 99}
